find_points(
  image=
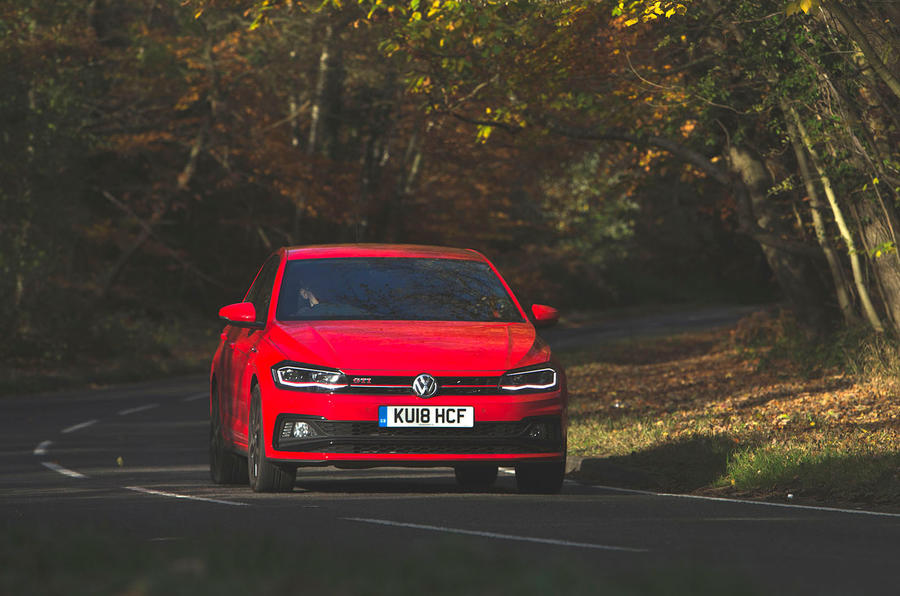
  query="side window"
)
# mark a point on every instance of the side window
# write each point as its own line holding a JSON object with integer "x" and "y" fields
{"x": 260, "y": 293}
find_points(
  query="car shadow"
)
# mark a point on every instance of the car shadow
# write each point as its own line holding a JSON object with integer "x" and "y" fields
{"x": 682, "y": 466}
{"x": 428, "y": 485}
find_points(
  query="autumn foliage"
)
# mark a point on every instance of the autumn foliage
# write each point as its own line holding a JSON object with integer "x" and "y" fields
{"x": 602, "y": 152}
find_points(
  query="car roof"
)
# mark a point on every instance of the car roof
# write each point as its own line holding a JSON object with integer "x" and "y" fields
{"x": 336, "y": 251}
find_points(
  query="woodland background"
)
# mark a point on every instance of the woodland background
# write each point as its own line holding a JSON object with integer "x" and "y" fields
{"x": 604, "y": 153}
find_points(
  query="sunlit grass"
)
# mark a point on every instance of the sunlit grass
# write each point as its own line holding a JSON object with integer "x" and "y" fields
{"x": 597, "y": 435}
{"x": 854, "y": 467}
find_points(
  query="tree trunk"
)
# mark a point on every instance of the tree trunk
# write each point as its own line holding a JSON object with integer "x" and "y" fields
{"x": 855, "y": 263}
{"x": 795, "y": 273}
{"x": 878, "y": 237}
{"x": 323, "y": 126}
{"x": 866, "y": 134}
{"x": 844, "y": 296}
{"x": 297, "y": 223}
{"x": 391, "y": 220}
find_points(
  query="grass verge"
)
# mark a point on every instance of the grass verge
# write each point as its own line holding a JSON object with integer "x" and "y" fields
{"x": 703, "y": 413}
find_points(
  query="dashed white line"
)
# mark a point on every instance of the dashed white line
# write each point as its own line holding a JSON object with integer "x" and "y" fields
{"x": 79, "y": 426}
{"x": 553, "y": 541}
{"x": 195, "y": 397}
{"x": 160, "y": 493}
{"x": 42, "y": 447}
{"x": 137, "y": 409}
{"x": 166, "y": 539}
{"x": 61, "y": 470}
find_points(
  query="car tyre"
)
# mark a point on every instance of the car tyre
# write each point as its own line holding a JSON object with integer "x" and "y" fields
{"x": 543, "y": 478}
{"x": 476, "y": 477}
{"x": 265, "y": 476}
{"x": 225, "y": 466}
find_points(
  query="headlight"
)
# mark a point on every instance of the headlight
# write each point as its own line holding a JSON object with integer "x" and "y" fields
{"x": 534, "y": 379}
{"x": 304, "y": 377}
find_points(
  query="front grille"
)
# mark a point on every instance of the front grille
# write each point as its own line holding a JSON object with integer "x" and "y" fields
{"x": 407, "y": 390}
{"x": 368, "y": 438}
{"x": 399, "y": 385}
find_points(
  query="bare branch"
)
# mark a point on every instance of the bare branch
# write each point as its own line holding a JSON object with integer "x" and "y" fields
{"x": 148, "y": 228}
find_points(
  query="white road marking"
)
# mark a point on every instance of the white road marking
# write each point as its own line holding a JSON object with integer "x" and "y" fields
{"x": 61, "y": 470}
{"x": 42, "y": 447}
{"x": 628, "y": 491}
{"x": 159, "y": 493}
{"x": 385, "y": 522}
{"x": 137, "y": 409}
{"x": 79, "y": 426}
{"x": 753, "y": 520}
{"x": 745, "y": 501}
{"x": 196, "y": 397}
{"x": 166, "y": 539}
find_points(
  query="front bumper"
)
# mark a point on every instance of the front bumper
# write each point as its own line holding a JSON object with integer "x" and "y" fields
{"x": 508, "y": 429}
{"x": 542, "y": 435}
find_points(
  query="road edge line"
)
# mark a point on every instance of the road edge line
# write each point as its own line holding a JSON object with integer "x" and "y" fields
{"x": 741, "y": 501}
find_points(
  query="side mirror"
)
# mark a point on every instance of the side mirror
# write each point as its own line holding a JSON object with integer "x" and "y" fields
{"x": 242, "y": 314}
{"x": 544, "y": 316}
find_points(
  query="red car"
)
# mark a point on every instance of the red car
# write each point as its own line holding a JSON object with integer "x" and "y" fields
{"x": 385, "y": 355}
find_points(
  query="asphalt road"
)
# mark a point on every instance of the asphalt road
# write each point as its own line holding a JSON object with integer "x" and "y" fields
{"x": 615, "y": 327}
{"x": 132, "y": 461}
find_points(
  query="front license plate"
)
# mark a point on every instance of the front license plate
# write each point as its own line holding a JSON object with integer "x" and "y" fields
{"x": 426, "y": 416}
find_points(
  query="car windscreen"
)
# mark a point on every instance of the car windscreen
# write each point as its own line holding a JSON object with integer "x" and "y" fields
{"x": 393, "y": 289}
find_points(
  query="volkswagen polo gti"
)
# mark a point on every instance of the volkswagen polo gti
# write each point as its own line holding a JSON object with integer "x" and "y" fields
{"x": 385, "y": 355}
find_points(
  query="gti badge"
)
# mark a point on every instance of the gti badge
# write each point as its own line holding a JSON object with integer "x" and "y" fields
{"x": 425, "y": 386}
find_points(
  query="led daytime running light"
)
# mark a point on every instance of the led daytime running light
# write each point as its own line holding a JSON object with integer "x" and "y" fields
{"x": 529, "y": 379}
{"x": 301, "y": 377}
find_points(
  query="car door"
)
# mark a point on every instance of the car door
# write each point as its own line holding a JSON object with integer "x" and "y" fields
{"x": 244, "y": 349}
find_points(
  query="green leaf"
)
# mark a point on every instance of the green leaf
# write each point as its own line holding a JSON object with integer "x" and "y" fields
{"x": 484, "y": 132}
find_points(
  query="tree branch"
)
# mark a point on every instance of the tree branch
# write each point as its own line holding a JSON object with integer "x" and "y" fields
{"x": 747, "y": 222}
{"x": 148, "y": 229}
{"x": 859, "y": 38}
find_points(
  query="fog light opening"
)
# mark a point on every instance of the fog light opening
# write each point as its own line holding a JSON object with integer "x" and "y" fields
{"x": 303, "y": 430}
